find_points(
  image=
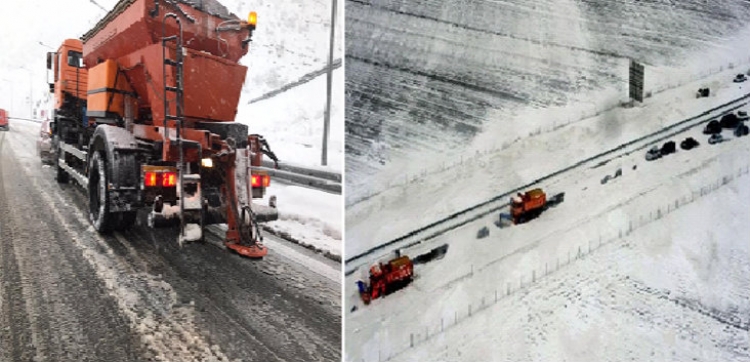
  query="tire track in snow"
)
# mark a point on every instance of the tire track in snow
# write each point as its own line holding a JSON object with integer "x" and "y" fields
{"x": 47, "y": 284}
{"x": 443, "y": 78}
{"x": 545, "y": 43}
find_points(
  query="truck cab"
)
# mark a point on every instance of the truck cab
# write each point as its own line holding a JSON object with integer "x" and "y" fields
{"x": 70, "y": 78}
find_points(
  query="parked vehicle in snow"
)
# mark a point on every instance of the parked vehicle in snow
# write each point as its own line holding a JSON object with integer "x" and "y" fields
{"x": 740, "y": 78}
{"x": 653, "y": 154}
{"x": 44, "y": 142}
{"x": 669, "y": 147}
{"x": 689, "y": 143}
{"x": 715, "y": 138}
{"x": 712, "y": 127}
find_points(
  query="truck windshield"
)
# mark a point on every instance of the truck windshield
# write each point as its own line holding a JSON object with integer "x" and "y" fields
{"x": 75, "y": 59}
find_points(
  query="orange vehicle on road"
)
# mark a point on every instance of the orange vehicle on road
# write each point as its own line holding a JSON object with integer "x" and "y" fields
{"x": 145, "y": 107}
{"x": 526, "y": 206}
{"x": 4, "y": 125}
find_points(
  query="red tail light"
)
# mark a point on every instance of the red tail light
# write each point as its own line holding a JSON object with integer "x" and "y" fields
{"x": 260, "y": 180}
{"x": 150, "y": 179}
{"x": 169, "y": 179}
{"x": 163, "y": 179}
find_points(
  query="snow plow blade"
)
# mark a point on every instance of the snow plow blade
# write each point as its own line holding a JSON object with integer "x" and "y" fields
{"x": 434, "y": 254}
{"x": 255, "y": 251}
{"x": 556, "y": 200}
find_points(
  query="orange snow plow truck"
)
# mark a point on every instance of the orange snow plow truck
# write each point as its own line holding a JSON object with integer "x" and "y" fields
{"x": 145, "y": 107}
{"x": 526, "y": 206}
{"x": 386, "y": 278}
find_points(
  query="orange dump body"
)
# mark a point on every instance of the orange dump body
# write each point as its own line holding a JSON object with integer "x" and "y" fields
{"x": 131, "y": 34}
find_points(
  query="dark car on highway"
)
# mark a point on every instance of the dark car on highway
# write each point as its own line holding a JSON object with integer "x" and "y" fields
{"x": 729, "y": 120}
{"x": 740, "y": 78}
{"x": 653, "y": 154}
{"x": 689, "y": 143}
{"x": 669, "y": 147}
{"x": 741, "y": 130}
{"x": 712, "y": 127}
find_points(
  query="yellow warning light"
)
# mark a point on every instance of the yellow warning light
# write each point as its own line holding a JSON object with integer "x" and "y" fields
{"x": 252, "y": 18}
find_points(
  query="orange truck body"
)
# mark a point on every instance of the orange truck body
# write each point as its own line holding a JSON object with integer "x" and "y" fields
{"x": 130, "y": 39}
{"x": 387, "y": 277}
{"x": 527, "y": 205}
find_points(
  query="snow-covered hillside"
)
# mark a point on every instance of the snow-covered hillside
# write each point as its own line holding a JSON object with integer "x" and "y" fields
{"x": 439, "y": 83}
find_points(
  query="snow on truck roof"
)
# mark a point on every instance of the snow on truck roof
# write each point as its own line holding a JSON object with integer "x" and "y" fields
{"x": 211, "y": 7}
{"x": 535, "y": 193}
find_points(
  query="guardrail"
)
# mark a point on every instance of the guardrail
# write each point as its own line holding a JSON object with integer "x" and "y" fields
{"x": 25, "y": 119}
{"x": 306, "y": 177}
{"x": 482, "y": 209}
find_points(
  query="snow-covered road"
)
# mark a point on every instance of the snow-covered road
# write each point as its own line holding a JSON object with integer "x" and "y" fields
{"x": 71, "y": 294}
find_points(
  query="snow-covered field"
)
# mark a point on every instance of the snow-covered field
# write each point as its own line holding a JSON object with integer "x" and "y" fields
{"x": 408, "y": 150}
{"x": 654, "y": 258}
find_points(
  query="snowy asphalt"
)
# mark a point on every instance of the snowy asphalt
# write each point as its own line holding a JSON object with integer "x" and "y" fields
{"x": 70, "y": 294}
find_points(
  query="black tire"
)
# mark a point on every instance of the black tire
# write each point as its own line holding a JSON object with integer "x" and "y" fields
{"x": 124, "y": 220}
{"x": 61, "y": 176}
{"x": 99, "y": 214}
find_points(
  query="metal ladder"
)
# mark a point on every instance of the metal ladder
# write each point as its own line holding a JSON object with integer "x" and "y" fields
{"x": 178, "y": 91}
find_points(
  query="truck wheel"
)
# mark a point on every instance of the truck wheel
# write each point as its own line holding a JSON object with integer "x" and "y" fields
{"x": 98, "y": 197}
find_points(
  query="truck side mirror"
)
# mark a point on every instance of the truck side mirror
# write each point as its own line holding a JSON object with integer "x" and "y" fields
{"x": 50, "y": 56}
